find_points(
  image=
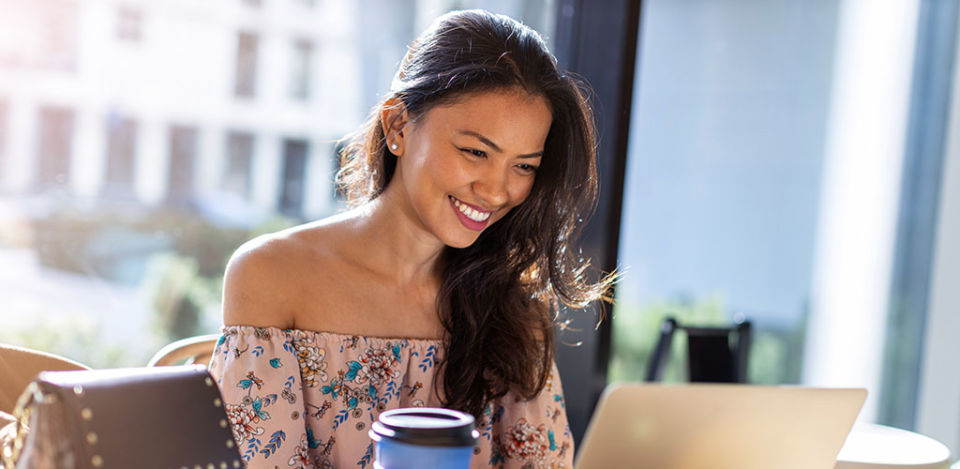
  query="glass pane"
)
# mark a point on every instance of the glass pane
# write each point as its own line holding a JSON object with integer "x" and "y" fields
{"x": 769, "y": 163}
{"x": 300, "y": 70}
{"x": 121, "y": 154}
{"x": 236, "y": 178}
{"x": 183, "y": 154}
{"x": 246, "y": 65}
{"x": 54, "y": 141}
{"x": 291, "y": 186}
{"x": 128, "y": 23}
{"x": 723, "y": 178}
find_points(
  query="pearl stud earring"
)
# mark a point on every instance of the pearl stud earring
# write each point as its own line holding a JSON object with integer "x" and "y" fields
{"x": 393, "y": 146}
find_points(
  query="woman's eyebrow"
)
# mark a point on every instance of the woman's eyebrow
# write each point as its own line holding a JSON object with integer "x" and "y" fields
{"x": 486, "y": 141}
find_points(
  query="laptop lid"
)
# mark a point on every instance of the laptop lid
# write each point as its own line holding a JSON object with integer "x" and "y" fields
{"x": 718, "y": 426}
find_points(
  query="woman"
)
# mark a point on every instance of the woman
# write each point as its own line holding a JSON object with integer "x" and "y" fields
{"x": 441, "y": 286}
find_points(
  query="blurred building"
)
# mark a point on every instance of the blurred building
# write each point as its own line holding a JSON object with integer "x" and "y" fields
{"x": 142, "y": 141}
{"x": 224, "y": 103}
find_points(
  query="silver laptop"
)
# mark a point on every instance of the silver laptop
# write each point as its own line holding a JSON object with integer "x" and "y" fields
{"x": 718, "y": 426}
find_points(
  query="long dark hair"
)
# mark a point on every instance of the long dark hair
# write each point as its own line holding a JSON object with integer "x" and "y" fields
{"x": 499, "y": 298}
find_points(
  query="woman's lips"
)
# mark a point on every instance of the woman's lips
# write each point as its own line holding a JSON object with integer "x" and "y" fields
{"x": 469, "y": 216}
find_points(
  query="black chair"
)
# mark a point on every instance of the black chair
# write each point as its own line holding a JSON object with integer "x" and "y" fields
{"x": 714, "y": 354}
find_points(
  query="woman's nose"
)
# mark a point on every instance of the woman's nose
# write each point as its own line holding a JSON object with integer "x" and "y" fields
{"x": 491, "y": 188}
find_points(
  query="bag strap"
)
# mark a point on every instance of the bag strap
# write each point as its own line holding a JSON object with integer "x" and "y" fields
{"x": 11, "y": 443}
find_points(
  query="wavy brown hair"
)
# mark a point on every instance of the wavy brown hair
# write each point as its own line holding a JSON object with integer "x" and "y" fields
{"x": 499, "y": 298}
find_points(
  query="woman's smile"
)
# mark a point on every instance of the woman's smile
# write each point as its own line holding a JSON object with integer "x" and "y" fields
{"x": 471, "y": 216}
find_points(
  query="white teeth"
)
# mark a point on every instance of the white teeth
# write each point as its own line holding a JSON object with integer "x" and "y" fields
{"x": 469, "y": 212}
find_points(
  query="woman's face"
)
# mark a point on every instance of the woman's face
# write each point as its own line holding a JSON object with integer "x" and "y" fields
{"x": 464, "y": 165}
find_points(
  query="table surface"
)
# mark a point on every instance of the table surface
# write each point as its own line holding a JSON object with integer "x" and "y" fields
{"x": 877, "y": 446}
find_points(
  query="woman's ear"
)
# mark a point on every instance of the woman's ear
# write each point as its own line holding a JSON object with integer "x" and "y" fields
{"x": 394, "y": 118}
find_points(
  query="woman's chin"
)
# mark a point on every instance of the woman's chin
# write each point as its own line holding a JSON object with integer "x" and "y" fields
{"x": 460, "y": 244}
{"x": 461, "y": 241}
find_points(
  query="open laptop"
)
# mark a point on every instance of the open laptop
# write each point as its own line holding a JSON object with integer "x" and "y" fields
{"x": 718, "y": 426}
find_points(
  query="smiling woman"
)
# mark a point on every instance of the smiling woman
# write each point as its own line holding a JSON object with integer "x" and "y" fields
{"x": 440, "y": 286}
{"x": 451, "y": 167}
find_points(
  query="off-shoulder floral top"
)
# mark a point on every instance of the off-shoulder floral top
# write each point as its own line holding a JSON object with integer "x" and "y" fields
{"x": 306, "y": 399}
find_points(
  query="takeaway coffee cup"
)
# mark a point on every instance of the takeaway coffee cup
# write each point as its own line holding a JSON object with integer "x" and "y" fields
{"x": 420, "y": 437}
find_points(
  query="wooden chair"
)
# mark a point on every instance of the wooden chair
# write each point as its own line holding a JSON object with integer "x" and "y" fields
{"x": 191, "y": 350}
{"x": 715, "y": 354}
{"x": 19, "y": 366}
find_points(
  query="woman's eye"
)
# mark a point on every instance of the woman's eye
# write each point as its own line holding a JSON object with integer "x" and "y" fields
{"x": 527, "y": 168}
{"x": 476, "y": 153}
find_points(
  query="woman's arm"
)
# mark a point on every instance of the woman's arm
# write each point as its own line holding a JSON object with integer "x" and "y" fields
{"x": 531, "y": 432}
{"x": 259, "y": 378}
{"x": 255, "y": 364}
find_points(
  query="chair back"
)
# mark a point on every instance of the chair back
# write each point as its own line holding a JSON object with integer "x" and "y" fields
{"x": 188, "y": 351}
{"x": 714, "y": 354}
{"x": 18, "y": 367}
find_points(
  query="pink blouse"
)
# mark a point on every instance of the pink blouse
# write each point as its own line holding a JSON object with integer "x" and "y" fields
{"x": 298, "y": 398}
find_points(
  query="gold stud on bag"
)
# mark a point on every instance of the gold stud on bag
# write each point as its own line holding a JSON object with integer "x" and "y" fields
{"x": 161, "y": 417}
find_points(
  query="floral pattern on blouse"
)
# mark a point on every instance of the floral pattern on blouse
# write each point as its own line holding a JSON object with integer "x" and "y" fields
{"x": 306, "y": 399}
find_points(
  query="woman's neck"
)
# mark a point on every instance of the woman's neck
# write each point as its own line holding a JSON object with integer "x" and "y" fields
{"x": 391, "y": 242}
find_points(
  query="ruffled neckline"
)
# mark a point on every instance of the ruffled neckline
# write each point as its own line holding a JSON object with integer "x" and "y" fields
{"x": 241, "y": 329}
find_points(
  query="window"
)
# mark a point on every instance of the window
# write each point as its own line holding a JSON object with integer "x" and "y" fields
{"x": 121, "y": 156}
{"x": 776, "y": 171}
{"x": 236, "y": 177}
{"x": 183, "y": 153}
{"x": 129, "y": 21}
{"x": 54, "y": 141}
{"x": 301, "y": 65}
{"x": 140, "y": 273}
{"x": 292, "y": 182}
{"x": 39, "y": 35}
{"x": 722, "y": 185}
{"x": 918, "y": 363}
{"x": 246, "y": 67}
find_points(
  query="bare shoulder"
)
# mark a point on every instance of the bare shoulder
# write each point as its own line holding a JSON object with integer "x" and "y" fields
{"x": 267, "y": 279}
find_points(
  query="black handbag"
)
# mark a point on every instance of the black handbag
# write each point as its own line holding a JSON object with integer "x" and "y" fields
{"x": 164, "y": 417}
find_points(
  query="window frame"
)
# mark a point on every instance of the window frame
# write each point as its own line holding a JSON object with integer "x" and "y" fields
{"x": 599, "y": 45}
